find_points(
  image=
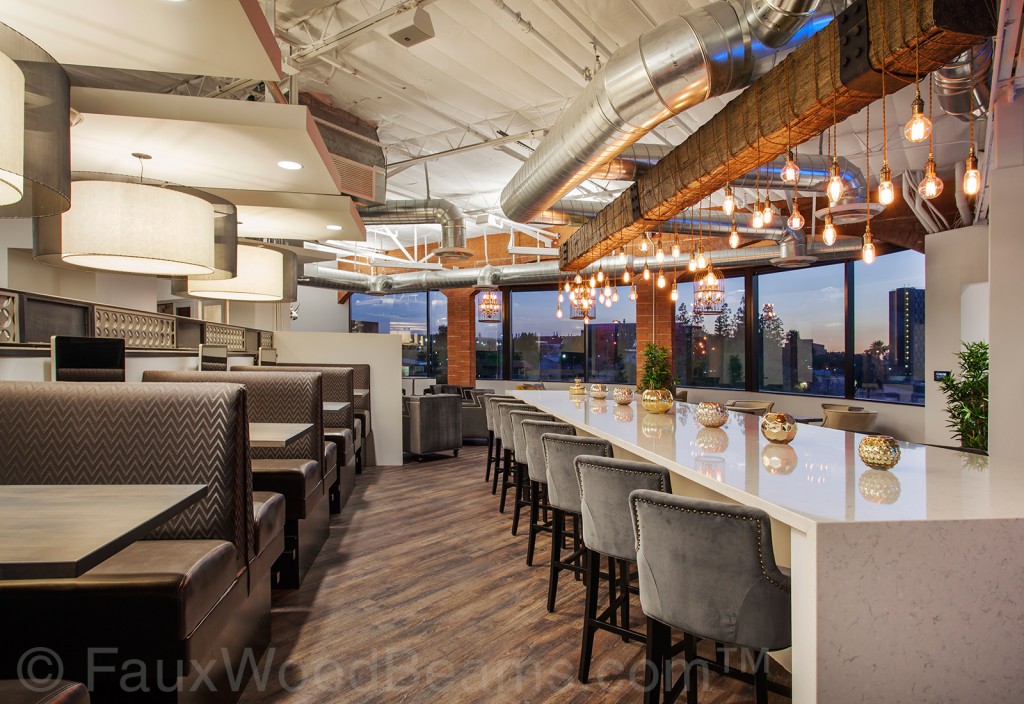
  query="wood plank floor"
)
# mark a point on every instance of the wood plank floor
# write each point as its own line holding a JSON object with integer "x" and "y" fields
{"x": 423, "y": 595}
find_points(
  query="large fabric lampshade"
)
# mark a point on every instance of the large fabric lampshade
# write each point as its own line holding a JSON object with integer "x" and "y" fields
{"x": 12, "y": 131}
{"x": 260, "y": 278}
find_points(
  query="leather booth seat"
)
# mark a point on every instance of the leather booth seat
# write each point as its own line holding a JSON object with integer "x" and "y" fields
{"x": 196, "y": 590}
{"x": 59, "y": 692}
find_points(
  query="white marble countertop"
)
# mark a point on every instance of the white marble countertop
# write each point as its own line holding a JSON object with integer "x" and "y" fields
{"x": 818, "y": 478}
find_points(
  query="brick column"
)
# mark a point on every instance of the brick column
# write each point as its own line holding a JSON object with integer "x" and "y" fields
{"x": 655, "y": 318}
{"x": 461, "y": 336}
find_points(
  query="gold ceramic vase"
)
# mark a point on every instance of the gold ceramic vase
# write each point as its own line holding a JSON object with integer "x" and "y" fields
{"x": 622, "y": 395}
{"x": 598, "y": 391}
{"x": 577, "y": 388}
{"x": 879, "y": 451}
{"x": 656, "y": 400}
{"x": 778, "y": 427}
{"x": 711, "y": 415}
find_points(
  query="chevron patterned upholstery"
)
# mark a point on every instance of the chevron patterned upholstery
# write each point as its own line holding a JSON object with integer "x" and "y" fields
{"x": 117, "y": 433}
{"x": 338, "y": 386}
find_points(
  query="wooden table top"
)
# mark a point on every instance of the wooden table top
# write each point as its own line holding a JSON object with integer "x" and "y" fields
{"x": 336, "y": 405}
{"x": 64, "y": 530}
{"x": 276, "y": 434}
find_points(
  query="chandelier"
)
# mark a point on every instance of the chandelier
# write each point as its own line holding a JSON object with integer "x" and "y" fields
{"x": 708, "y": 292}
{"x": 582, "y": 300}
{"x": 489, "y": 307}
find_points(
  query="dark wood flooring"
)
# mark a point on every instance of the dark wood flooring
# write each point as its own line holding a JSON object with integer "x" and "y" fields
{"x": 423, "y": 595}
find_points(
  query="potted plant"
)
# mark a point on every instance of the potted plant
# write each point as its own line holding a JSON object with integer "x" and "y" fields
{"x": 656, "y": 382}
{"x": 967, "y": 396}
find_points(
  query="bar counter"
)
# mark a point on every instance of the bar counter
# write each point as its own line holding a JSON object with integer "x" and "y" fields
{"x": 906, "y": 584}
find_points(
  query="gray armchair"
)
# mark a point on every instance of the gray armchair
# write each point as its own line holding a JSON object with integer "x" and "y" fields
{"x": 432, "y": 423}
{"x": 474, "y": 415}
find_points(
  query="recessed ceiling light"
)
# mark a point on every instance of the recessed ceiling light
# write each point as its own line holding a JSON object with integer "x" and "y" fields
{"x": 290, "y": 165}
{"x": 335, "y": 227}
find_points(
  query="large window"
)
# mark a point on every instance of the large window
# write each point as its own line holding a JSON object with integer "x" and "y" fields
{"x": 611, "y": 342}
{"x": 711, "y": 350}
{"x": 407, "y": 315}
{"x": 437, "y": 322}
{"x": 801, "y": 331}
{"x": 889, "y": 328}
{"x": 489, "y": 340}
{"x": 544, "y": 347}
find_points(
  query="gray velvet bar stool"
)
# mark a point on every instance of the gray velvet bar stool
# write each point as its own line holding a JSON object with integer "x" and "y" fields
{"x": 605, "y": 486}
{"x": 538, "y": 476}
{"x": 508, "y": 450}
{"x": 491, "y": 434}
{"x": 520, "y": 471}
{"x": 707, "y": 569}
{"x": 495, "y": 420}
{"x": 560, "y": 453}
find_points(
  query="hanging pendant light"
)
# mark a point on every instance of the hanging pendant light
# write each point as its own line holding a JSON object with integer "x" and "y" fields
{"x": 675, "y": 250}
{"x": 790, "y": 171}
{"x": 796, "y": 218}
{"x": 632, "y": 293}
{"x": 758, "y": 220}
{"x": 622, "y": 255}
{"x": 886, "y": 189}
{"x": 593, "y": 281}
{"x": 12, "y": 127}
{"x": 768, "y": 214}
{"x": 729, "y": 202}
{"x": 260, "y": 277}
{"x": 558, "y": 313}
{"x": 578, "y": 280}
{"x": 489, "y": 308}
{"x": 625, "y": 276}
{"x": 918, "y": 127}
{"x": 674, "y": 295}
{"x": 734, "y": 236}
{"x": 600, "y": 275}
{"x": 867, "y": 252}
{"x": 615, "y": 296}
{"x": 647, "y": 272}
{"x": 931, "y": 186}
{"x": 828, "y": 233}
{"x": 659, "y": 256}
{"x": 661, "y": 280}
{"x": 644, "y": 246}
{"x": 972, "y": 176}
{"x": 692, "y": 264}
{"x": 702, "y": 261}
{"x": 835, "y": 187}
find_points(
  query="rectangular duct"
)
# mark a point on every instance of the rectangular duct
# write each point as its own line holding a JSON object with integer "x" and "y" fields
{"x": 368, "y": 183}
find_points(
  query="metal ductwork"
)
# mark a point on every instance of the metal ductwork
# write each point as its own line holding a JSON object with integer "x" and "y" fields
{"x": 952, "y": 82}
{"x": 707, "y": 52}
{"x": 793, "y": 252}
{"x": 549, "y": 273}
{"x": 633, "y": 161}
{"x": 814, "y": 169}
{"x": 418, "y": 212}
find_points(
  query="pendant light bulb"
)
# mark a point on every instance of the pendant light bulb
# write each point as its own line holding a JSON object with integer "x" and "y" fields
{"x": 702, "y": 261}
{"x": 632, "y": 294}
{"x": 886, "y": 190}
{"x": 644, "y": 246}
{"x": 931, "y": 186}
{"x": 593, "y": 281}
{"x": 608, "y": 302}
{"x": 796, "y": 218}
{"x": 558, "y": 313}
{"x": 868, "y": 250}
{"x": 578, "y": 280}
{"x": 600, "y": 299}
{"x": 729, "y": 202}
{"x": 659, "y": 256}
{"x": 692, "y": 264}
{"x": 600, "y": 275}
{"x": 567, "y": 287}
{"x": 561, "y": 297}
{"x": 647, "y": 273}
{"x": 607, "y": 291}
{"x": 674, "y": 296}
{"x": 622, "y": 256}
{"x": 768, "y": 213}
{"x": 972, "y": 177}
{"x": 734, "y": 238}
{"x": 661, "y": 280}
{"x": 828, "y": 233}
{"x": 675, "y": 250}
{"x": 918, "y": 127}
{"x": 758, "y": 220}
{"x": 790, "y": 171}
{"x": 834, "y": 189}
{"x": 615, "y": 296}
{"x": 625, "y": 276}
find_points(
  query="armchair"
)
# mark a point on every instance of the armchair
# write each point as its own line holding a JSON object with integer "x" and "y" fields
{"x": 432, "y": 423}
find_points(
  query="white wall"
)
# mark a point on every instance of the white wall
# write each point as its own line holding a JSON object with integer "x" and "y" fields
{"x": 953, "y": 260}
{"x": 319, "y": 311}
{"x": 384, "y": 355}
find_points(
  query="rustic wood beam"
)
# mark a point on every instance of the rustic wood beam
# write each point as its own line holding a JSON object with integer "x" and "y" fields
{"x": 835, "y": 72}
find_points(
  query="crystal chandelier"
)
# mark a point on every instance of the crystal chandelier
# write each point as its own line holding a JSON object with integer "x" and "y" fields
{"x": 490, "y": 307}
{"x": 708, "y": 292}
{"x": 582, "y": 301}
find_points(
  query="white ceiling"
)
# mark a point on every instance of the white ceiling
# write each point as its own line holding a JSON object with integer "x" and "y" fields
{"x": 196, "y": 37}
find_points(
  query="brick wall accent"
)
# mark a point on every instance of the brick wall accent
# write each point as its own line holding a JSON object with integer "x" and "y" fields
{"x": 461, "y": 336}
{"x": 655, "y": 317}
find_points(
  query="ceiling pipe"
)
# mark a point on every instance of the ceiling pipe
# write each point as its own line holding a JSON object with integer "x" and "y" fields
{"x": 814, "y": 173}
{"x": 706, "y": 52}
{"x": 549, "y": 273}
{"x": 418, "y": 212}
{"x": 952, "y": 83}
{"x": 633, "y": 161}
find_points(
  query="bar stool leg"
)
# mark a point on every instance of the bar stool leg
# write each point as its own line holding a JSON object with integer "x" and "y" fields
{"x": 658, "y": 635}
{"x": 534, "y": 522}
{"x": 490, "y": 454}
{"x": 520, "y": 495}
{"x": 761, "y": 678}
{"x": 506, "y": 470}
{"x": 497, "y": 465}
{"x": 624, "y": 587}
{"x": 690, "y": 672}
{"x": 612, "y": 591}
{"x": 593, "y": 576}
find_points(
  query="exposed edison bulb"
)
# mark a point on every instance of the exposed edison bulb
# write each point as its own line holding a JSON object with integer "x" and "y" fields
{"x": 674, "y": 296}
{"x": 729, "y": 202}
{"x": 572, "y": 296}
{"x": 567, "y": 287}
{"x": 615, "y": 296}
{"x": 918, "y": 127}
{"x": 758, "y": 220}
{"x": 675, "y": 249}
{"x": 834, "y": 188}
{"x": 558, "y": 313}
{"x": 702, "y": 261}
{"x": 644, "y": 246}
{"x": 931, "y": 186}
{"x": 608, "y": 302}
{"x": 561, "y": 297}
{"x": 659, "y": 256}
{"x": 867, "y": 252}
{"x": 607, "y": 291}
{"x": 972, "y": 177}
{"x": 579, "y": 279}
{"x": 828, "y": 233}
{"x": 632, "y": 294}
{"x": 711, "y": 279}
{"x": 593, "y": 281}
{"x": 661, "y": 280}
{"x": 600, "y": 299}
{"x": 768, "y": 213}
{"x": 692, "y": 264}
{"x": 647, "y": 273}
{"x": 734, "y": 238}
{"x": 790, "y": 171}
{"x": 886, "y": 191}
{"x": 796, "y": 218}
{"x": 586, "y": 319}
{"x": 600, "y": 275}
{"x": 625, "y": 276}
{"x": 622, "y": 256}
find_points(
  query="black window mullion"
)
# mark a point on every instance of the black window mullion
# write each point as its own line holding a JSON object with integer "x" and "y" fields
{"x": 850, "y": 321}
{"x": 753, "y": 365}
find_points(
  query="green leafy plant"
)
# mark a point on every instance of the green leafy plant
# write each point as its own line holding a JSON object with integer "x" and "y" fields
{"x": 657, "y": 369}
{"x": 967, "y": 396}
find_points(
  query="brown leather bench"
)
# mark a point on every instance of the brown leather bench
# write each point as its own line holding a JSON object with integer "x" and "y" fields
{"x": 58, "y": 692}
{"x": 193, "y": 591}
{"x": 294, "y": 471}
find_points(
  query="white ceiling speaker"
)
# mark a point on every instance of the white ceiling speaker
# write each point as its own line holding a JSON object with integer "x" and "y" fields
{"x": 412, "y": 27}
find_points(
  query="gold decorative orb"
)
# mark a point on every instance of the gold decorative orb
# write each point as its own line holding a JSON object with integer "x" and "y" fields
{"x": 577, "y": 388}
{"x": 879, "y": 486}
{"x": 657, "y": 400}
{"x": 879, "y": 451}
{"x": 622, "y": 394}
{"x": 711, "y": 415}
{"x": 778, "y": 427}
{"x": 778, "y": 458}
{"x": 623, "y": 413}
{"x": 598, "y": 391}
{"x": 656, "y": 426}
{"x": 713, "y": 440}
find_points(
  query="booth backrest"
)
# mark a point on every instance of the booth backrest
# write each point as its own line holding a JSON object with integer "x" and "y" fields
{"x": 117, "y": 433}
{"x": 338, "y": 385}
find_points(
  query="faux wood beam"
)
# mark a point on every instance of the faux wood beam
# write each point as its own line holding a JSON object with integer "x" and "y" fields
{"x": 838, "y": 69}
